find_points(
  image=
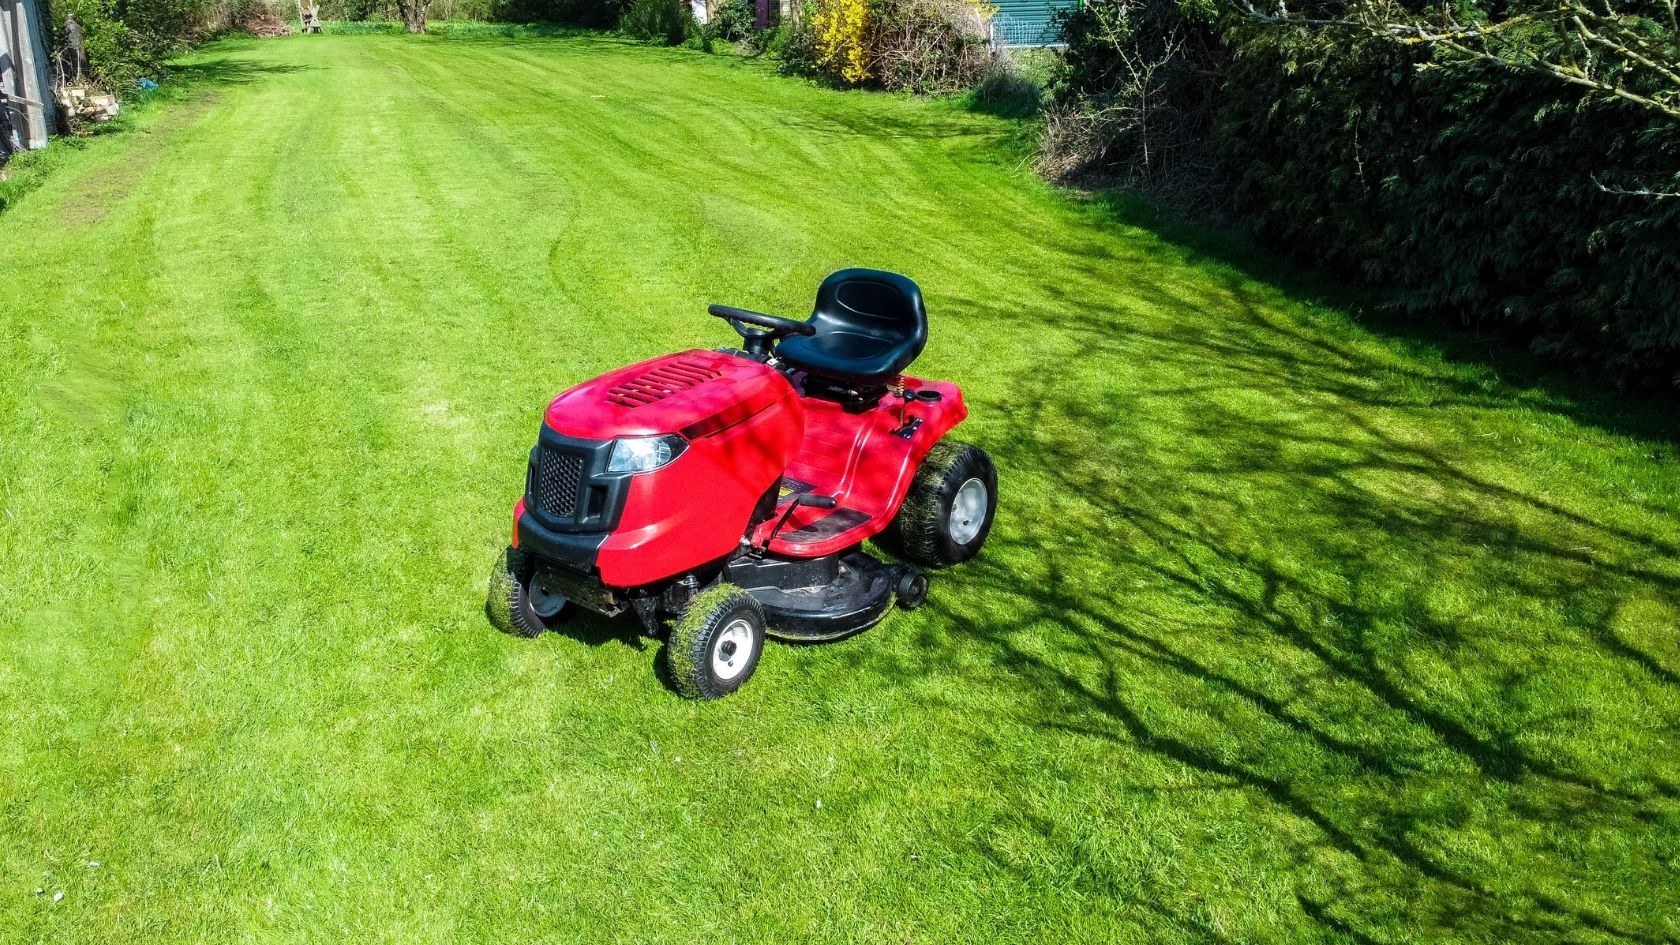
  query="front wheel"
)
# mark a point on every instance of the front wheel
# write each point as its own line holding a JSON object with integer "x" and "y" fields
{"x": 715, "y": 647}
{"x": 517, "y": 602}
{"x": 948, "y": 512}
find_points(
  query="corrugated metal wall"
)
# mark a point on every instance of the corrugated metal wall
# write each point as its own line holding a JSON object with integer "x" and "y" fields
{"x": 25, "y": 73}
{"x": 1028, "y": 22}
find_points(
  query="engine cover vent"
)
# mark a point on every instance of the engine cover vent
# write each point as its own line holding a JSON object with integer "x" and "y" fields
{"x": 660, "y": 382}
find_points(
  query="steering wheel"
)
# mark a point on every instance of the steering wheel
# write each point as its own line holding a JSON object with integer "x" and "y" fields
{"x": 774, "y": 327}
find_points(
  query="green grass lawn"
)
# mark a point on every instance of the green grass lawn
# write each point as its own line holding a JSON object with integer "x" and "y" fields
{"x": 1291, "y": 629}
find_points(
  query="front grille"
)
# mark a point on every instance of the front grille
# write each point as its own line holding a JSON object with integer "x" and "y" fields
{"x": 556, "y": 486}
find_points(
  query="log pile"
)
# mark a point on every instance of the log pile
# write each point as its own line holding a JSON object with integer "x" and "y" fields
{"x": 84, "y": 104}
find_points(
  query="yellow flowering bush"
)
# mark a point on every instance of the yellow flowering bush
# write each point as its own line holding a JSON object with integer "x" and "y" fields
{"x": 841, "y": 30}
{"x": 922, "y": 46}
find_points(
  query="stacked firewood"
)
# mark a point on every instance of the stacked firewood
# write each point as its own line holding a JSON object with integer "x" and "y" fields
{"x": 84, "y": 104}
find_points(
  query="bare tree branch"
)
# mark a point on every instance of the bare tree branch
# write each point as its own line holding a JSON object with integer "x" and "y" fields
{"x": 1611, "y": 46}
{"x": 1636, "y": 192}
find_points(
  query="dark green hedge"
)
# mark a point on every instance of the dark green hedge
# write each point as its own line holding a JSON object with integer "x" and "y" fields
{"x": 1468, "y": 193}
{"x": 125, "y": 39}
{"x": 1477, "y": 192}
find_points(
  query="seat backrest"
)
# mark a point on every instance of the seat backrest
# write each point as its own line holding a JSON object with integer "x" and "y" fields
{"x": 883, "y": 305}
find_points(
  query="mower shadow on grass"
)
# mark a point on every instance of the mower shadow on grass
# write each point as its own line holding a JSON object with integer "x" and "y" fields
{"x": 1237, "y": 567}
{"x": 593, "y": 630}
{"x": 586, "y": 627}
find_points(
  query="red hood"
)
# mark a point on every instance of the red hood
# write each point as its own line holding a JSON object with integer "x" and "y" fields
{"x": 692, "y": 393}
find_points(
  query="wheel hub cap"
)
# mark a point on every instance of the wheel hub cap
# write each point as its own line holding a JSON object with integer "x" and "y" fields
{"x": 543, "y": 602}
{"x": 968, "y": 512}
{"x": 734, "y": 650}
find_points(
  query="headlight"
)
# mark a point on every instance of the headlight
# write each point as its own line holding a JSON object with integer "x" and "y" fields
{"x": 634, "y": 454}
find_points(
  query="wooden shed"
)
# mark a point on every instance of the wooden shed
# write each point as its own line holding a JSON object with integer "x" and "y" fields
{"x": 26, "y": 105}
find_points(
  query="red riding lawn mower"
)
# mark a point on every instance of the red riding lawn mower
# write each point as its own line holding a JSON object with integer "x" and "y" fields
{"x": 731, "y": 490}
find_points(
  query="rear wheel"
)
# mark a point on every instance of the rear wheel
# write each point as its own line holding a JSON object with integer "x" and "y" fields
{"x": 948, "y": 512}
{"x": 715, "y": 647}
{"x": 517, "y": 603}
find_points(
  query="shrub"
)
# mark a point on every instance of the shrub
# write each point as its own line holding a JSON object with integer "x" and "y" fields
{"x": 759, "y": 42}
{"x": 158, "y": 29}
{"x": 1134, "y": 99}
{"x": 115, "y": 58}
{"x": 841, "y": 31}
{"x": 1472, "y": 190}
{"x": 924, "y": 46}
{"x": 125, "y": 39}
{"x": 358, "y": 11}
{"x": 795, "y": 44}
{"x": 255, "y": 17}
{"x": 481, "y": 10}
{"x": 930, "y": 46}
{"x": 1467, "y": 190}
{"x": 732, "y": 20}
{"x": 700, "y": 37}
{"x": 1006, "y": 91}
{"x": 657, "y": 21}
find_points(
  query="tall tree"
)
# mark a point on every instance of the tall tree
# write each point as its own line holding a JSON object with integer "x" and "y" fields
{"x": 413, "y": 15}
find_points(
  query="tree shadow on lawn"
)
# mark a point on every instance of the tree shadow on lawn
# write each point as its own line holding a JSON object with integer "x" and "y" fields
{"x": 226, "y": 70}
{"x": 1497, "y": 354}
{"x": 1246, "y": 555}
{"x": 872, "y": 125}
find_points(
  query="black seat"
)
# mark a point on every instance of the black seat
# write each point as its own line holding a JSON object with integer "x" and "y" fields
{"x": 870, "y": 325}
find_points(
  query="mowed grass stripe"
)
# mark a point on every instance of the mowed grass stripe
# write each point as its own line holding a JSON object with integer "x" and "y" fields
{"x": 1289, "y": 631}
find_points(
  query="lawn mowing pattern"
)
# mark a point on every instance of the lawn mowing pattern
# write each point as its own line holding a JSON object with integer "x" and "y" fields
{"x": 1287, "y": 631}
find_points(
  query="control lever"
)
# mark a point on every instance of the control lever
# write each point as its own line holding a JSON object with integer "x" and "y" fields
{"x": 800, "y": 498}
